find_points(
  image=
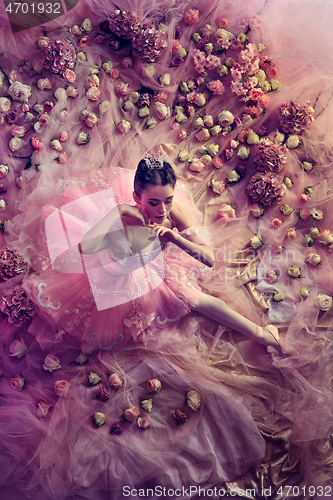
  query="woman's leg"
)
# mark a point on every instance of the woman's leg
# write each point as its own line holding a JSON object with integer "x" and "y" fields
{"x": 219, "y": 311}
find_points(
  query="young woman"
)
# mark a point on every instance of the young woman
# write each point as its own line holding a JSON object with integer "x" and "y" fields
{"x": 149, "y": 227}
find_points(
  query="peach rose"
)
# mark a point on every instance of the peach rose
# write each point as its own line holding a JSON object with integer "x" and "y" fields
{"x": 227, "y": 212}
{"x": 291, "y": 233}
{"x": 196, "y": 165}
{"x": 115, "y": 381}
{"x": 131, "y": 414}
{"x": 313, "y": 259}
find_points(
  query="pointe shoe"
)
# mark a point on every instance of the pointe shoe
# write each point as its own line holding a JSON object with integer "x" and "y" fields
{"x": 268, "y": 336}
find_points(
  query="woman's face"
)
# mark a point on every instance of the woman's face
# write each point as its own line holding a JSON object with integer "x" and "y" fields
{"x": 156, "y": 202}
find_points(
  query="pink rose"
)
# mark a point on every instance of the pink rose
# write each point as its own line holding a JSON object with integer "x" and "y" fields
{"x": 42, "y": 409}
{"x": 154, "y": 385}
{"x": 202, "y": 135}
{"x": 313, "y": 259}
{"x": 122, "y": 89}
{"x": 20, "y": 181}
{"x": 291, "y": 233}
{"x": 303, "y": 214}
{"x": 115, "y": 381}
{"x": 196, "y": 165}
{"x": 200, "y": 99}
{"x": 76, "y": 30}
{"x": 61, "y": 387}
{"x": 17, "y": 382}
{"x": 273, "y": 72}
{"x": 37, "y": 65}
{"x": 72, "y": 91}
{"x": 63, "y": 136}
{"x": 271, "y": 276}
{"x": 63, "y": 115}
{"x": 325, "y": 237}
{"x": 143, "y": 423}
{"x": 18, "y": 348}
{"x": 276, "y": 222}
{"x": 17, "y": 130}
{"x": 217, "y": 186}
{"x": 84, "y": 41}
{"x": 114, "y": 74}
{"x": 131, "y": 414}
{"x": 44, "y": 84}
{"x": 93, "y": 81}
{"x": 93, "y": 93}
{"x": 69, "y": 75}
{"x": 5, "y": 104}
{"x": 256, "y": 210}
{"x": 217, "y": 162}
{"x": 124, "y": 126}
{"x": 102, "y": 393}
{"x": 48, "y": 106}
{"x": 63, "y": 158}
{"x": 43, "y": 118}
{"x": 182, "y": 134}
{"x": 51, "y": 363}
{"x": 227, "y": 212}
{"x": 91, "y": 120}
{"x": 222, "y": 22}
{"x": 304, "y": 198}
{"x": 36, "y": 143}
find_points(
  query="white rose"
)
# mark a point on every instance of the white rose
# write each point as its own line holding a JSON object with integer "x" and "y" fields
{"x": 107, "y": 66}
{"x": 60, "y": 93}
{"x": 256, "y": 241}
{"x": 324, "y": 302}
{"x": 103, "y": 107}
{"x": 277, "y": 137}
{"x": 293, "y": 141}
{"x": 165, "y": 79}
{"x": 225, "y": 118}
{"x": 55, "y": 144}
{"x": 162, "y": 111}
{"x": 15, "y": 143}
{"x": 243, "y": 153}
{"x": 86, "y": 25}
{"x": 19, "y": 92}
{"x": 4, "y": 104}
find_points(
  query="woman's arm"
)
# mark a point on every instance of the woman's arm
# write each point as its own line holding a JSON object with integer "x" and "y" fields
{"x": 97, "y": 238}
{"x": 202, "y": 252}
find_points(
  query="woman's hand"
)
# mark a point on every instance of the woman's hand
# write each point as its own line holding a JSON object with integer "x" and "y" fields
{"x": 134, "y": 213}
{"x": 165, "y": 234}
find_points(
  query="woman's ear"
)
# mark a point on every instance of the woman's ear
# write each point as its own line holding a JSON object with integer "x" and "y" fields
{"x": 136, "y": 198}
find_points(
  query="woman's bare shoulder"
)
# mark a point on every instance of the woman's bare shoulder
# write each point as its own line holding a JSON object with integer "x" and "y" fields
{"x": 180, "y": 217}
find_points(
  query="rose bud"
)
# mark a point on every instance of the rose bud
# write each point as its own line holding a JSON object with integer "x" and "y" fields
{"x": 256, "y": 210}
{"x": 18, "y": 348}
{"x": 115, "y": 381}
{"x": 313, "y": 259}
{"x": 180, "y": 416}
{"x": 143, "y": 423}
{"x": 61, "y": 387}
{"x": 131, "y": 414}
{"x": 154, "y": 385}
{"x": 278, "y": 296}
{"x": 276, "y": 222}
{"x": 98, "y": 418}
{"x": 81, "y": 359}
{"x": 51, "y": 363}
{"x": 102, "y": 394}
{"x": 304, "y": 293}
{"x": 291, "y": 233}
{"x": 115, "y": 428}
{"x": 256, "y": 242}
{"x": 193, "y": 400}
{"x": 3, "y": 170}
{"x": 42, "y": 409}
{"x": 17, "y": 382}
{"x": 294, "y": 271}
{"x": 93, "y": 378}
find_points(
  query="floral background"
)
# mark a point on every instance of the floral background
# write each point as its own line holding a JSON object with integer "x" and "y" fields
{"x": 238, "y": 97}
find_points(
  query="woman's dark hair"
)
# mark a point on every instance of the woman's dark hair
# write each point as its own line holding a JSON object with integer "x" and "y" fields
{"x": 155, "y": 172}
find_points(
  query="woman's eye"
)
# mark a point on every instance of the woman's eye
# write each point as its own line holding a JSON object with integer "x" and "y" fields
{"x": 153, "y": 204}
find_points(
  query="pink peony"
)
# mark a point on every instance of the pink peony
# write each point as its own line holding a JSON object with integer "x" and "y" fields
{"x": 265, "y": 188}
{"x": 59, "y": 55}
{"x": 124, "y": 24}
{"x": 191, "y": 16}
{"x": 294, "y": 117}
{"x": 61, "y": 387}
{"x": 269, "y": 156}
{"x": 17, "y": 306}
{"x": 11, "y": 264}
{"x": 149, "y": 44}
{"x": 216, "y": 87}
